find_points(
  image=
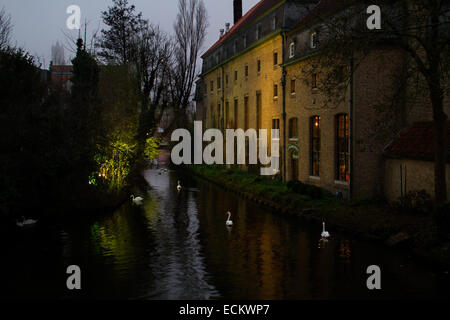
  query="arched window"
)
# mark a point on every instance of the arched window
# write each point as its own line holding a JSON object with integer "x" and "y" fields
{"x": 315, "y": 145}
{"x": 342, "y": 155}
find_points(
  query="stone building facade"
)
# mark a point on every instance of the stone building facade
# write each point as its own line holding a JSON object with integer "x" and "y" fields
{"x": 253, "y": 77}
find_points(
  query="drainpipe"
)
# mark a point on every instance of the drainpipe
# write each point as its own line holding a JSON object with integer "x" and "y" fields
{"x": 350, "y": 120}
{"x": 283, "y": 85}
{"x": 223, "y": 99}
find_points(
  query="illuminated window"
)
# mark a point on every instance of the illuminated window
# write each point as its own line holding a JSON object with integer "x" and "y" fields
{"x": 342, "y": 147}
{"x": 315, "y": 146}
{"x": 293, "y": 128}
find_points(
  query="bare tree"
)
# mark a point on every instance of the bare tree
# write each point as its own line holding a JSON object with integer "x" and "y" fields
{"x": 190, "y": 32}
{"x": 152, "y": 54}
{"x": 419, "y": 29}
{"x": 5, "y": 29}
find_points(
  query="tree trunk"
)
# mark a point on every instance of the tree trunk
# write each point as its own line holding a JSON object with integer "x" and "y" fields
{"x": 440, "y": 147}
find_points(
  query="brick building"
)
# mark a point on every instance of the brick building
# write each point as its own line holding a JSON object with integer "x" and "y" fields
{"x": 252, "y": 78}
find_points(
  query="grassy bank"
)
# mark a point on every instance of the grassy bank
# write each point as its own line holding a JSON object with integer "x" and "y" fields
{"x": 373, "y": 219}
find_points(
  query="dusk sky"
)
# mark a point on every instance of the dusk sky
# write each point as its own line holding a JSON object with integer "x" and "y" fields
{"x": 39, "y": 24}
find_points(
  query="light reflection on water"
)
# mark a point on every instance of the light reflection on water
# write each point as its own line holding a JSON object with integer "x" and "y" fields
{"x": 176, "y": 246}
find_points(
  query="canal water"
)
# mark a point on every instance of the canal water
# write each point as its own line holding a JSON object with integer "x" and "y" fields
{"x": 177, "y": 246}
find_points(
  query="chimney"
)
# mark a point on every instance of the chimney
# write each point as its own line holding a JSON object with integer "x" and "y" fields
{"x": 221, "y": 32}
{"x": 237, "y": 6}
{"x": 227, "y": 27}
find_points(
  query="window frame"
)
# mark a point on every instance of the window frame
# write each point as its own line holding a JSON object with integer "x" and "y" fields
{"x": 292, "y": 49}
{"x": 344, "y": 153}
{"x": 293, "y": 129}
{"x": 315, "y": 145}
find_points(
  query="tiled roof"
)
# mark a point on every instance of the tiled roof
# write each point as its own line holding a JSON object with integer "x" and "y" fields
{"x": 416, "y": 142}
{"x": 259, "y": 9}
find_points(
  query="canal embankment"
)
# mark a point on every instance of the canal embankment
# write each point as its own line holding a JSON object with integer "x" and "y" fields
{"x": 375, "y": 219}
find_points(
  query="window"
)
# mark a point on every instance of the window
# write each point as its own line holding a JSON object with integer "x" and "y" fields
{"x": 292, "y": 50}
{"x": 258, "y": 65}
{"x": 276, "y": 124}
{"x": 245, "y": 41}
{"x": 246, "y": 71}
{"x": 226, "y": 80}
{"x": 293, "y": 86}
{"x": 258, "y": 31}
{"x": 211, "y": 86}
{"x": 246, "y": 113}
{"x": 313, "y": 43}
{"x": 275, "y": 58}
{"x": 275, "y": 91}
{"x": 227, "y": 115}
{"x": 219, "y": 124}
{"x": 235, "y": 46}
{"x": 206, "y": 88}
{"x": 315, "y": 146}
{"x": 213, "y": 123}
{"x": 314, "y": 81}
{"x": 218, "y": 83}
{"x": 235, "y": 118}
{"x": 274, "y": 22}
{"x": 342, "y": 147}
{"x": 258, "y": 110}
{"x": 235, "y": 75}
{"x": 293, "y": 128}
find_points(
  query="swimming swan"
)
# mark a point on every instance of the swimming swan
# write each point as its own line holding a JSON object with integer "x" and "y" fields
{"x": 229, "y": 222}
{"x": 25, "y": 222}
{"x": 137, "y": 200}
{"x": 325, "y": 234}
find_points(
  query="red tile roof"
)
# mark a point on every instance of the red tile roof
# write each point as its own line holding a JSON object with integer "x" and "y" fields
{"x": 416, "y": 142}
{"x": 255, "y": 12}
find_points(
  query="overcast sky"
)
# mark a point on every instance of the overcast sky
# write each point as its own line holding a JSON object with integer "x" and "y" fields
{"x": 39, "y": 24}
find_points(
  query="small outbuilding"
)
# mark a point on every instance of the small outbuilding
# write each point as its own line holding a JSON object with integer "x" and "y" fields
{"x": 409, "y": 162}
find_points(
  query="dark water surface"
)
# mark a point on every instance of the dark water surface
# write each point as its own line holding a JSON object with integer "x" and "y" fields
{"x": 176, "y": 246}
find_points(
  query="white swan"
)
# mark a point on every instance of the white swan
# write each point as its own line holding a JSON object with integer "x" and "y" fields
{"x": 179, "y": 186}
{"x": 25, "y": 222}
{"x": 229, "y": 222}
{"x": 325, "y": 234}
{"x": 137, "y": 200}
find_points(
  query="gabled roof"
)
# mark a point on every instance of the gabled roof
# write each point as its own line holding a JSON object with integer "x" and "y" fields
{"x": 254, "y": 13}
{"x": 416, "y": 142}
